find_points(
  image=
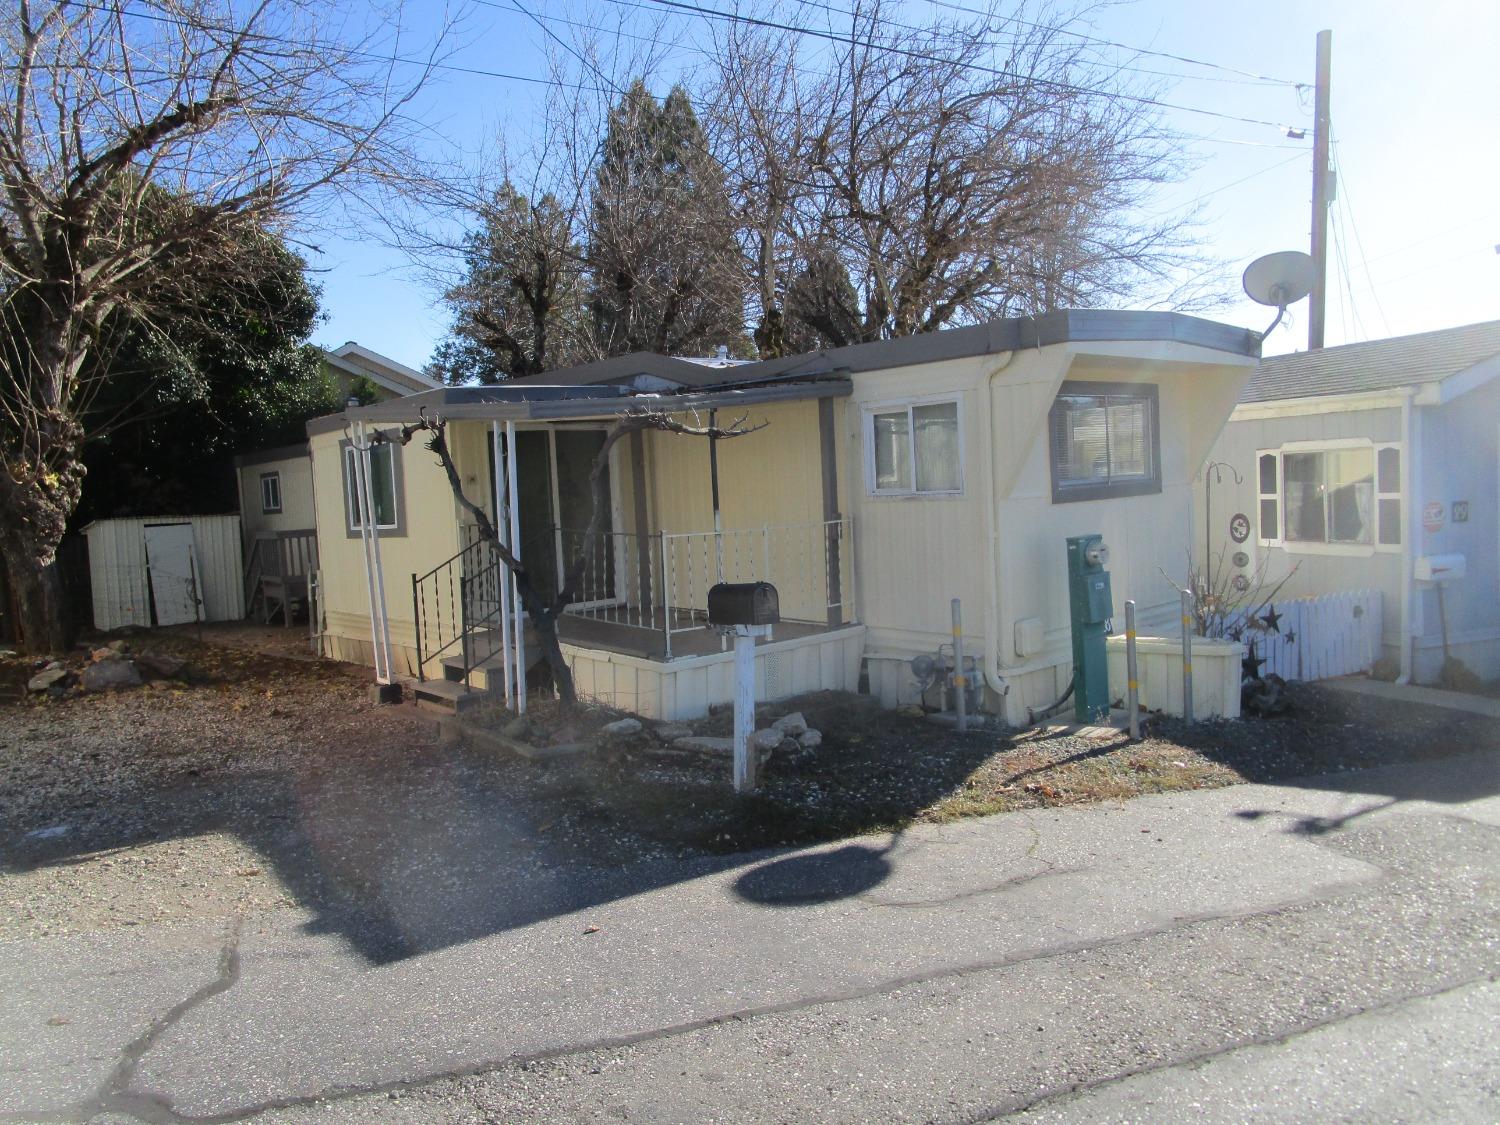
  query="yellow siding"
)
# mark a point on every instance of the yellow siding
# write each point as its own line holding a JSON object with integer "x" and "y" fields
{"x": 431, "y": 536}
{"x": 297, "y": 506}
{"x": 770, "y": 479}
{"x": 916, "y": 553}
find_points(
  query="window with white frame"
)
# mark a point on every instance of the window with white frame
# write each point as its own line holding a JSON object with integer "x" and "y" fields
{"x": 1343, "y": 495}
{"x": 914, "y": 449}
{"x": 1104, "y": 441}
{"x": 382, "y": 487}
{"x": 270, "y": 493}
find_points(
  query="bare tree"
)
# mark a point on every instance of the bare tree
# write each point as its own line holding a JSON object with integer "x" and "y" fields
{"x": 137, "y": 138}
{"x": 938, "y": 174}
{"x": 542, "y": 609}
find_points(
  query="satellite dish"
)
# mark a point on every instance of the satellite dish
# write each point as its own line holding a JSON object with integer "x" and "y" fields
{"x": 1279, "y": 280}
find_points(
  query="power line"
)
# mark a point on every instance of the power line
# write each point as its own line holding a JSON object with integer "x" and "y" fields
{"x": 1248, "y": 79}
{"x": 1125, "y": 46}
{"x": 796, "y": 29}
{"x": 1346, "y": 206}
{"x": 1243, "y": 179}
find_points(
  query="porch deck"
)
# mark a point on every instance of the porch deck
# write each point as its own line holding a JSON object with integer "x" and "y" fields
{"x": 626, "y": 666}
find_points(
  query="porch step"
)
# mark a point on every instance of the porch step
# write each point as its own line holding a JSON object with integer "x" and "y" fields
{"x": 446, "y": 697}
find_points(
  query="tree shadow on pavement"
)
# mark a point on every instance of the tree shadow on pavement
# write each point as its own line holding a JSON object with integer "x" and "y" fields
{"x": 433, "y": 847}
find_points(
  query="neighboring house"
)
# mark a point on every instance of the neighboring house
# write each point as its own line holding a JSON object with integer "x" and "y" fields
{"x": 1354, "y": 463}
{"x": 889, "y": 478}
{"x": 353, "y": 368}
{"x": 277, "y": 514}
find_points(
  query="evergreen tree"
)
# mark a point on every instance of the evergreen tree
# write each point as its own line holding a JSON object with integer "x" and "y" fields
{"x": 519, "y": 309}
{"x": 667, "y": 275}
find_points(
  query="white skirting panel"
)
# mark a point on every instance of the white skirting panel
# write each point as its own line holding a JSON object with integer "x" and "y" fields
{"x": 686, "y": 688}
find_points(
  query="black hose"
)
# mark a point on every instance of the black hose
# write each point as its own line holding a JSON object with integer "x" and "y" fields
{"x": 1033, "y": 716}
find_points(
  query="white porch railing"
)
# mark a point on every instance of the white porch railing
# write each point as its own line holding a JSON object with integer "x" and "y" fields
{"x": 660, "y": 582}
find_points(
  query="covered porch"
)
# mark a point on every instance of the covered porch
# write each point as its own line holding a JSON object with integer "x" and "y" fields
{"x": 683, "y": 512}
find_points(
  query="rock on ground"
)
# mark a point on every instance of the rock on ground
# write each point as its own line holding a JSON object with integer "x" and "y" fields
{"x": 160, "y": 665}
{"x": 793, "y": 724}
{"x": 47, "y": 678}
{"x": 705, "y": 744}
{"x": 810, "y": 739}
{"x": 766, "y": 740}
{"x": 107, "y": 675}
{"x": 621, "y": 728}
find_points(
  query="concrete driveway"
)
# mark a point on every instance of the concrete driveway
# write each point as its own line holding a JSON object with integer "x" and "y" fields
{"x": 1281, "y": 952}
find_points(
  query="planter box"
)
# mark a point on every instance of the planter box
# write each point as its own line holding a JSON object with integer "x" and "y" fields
{"x": 1216, "y": 675}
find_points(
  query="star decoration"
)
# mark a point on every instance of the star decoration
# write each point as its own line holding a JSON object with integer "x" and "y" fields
{"x": 1272, "y": 620}
{"x": 1236, "y": 634}
{"x": 1250, "y": 665}
{"x": 1291, "y": 637}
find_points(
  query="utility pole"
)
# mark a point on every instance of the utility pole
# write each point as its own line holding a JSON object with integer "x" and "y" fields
{"x": 1323, "y": 190}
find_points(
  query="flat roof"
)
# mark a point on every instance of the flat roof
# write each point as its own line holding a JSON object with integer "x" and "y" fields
{"x": 646, "y": 380}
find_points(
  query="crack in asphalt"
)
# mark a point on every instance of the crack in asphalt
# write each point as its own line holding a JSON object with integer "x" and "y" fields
{"x": 114, "y": 1094}
{"x": 159, "y": 1113}
{"x": 1063, "y": 1093}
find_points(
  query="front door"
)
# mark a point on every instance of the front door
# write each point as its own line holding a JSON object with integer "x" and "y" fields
{"x": 554, "y": 502}
{"x": 174, "y": 572}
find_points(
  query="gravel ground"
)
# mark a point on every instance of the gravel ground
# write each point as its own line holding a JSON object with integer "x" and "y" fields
{"x": 266, "y": 782}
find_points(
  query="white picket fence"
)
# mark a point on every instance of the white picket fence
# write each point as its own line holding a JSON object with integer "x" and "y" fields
{"x": 1316, "y": 638}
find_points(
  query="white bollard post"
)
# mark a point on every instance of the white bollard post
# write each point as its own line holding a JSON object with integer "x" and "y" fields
{"x": 960, "y": 680}
{"x": 744, "y": 708}
{"x": 1187, "y": 655}
{"x": 1132, "y": 680}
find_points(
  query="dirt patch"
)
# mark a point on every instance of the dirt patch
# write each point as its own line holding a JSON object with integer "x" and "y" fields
{"x": 262, "y": 783}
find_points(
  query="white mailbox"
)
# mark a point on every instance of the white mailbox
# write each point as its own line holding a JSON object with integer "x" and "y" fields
{"x": 1440, "y": 568}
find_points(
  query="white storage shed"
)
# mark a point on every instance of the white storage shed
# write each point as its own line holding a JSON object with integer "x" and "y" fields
{"x": 165, "y": 570}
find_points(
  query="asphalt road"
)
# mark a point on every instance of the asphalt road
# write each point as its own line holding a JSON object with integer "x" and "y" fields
{"x": 1325, "y": 950}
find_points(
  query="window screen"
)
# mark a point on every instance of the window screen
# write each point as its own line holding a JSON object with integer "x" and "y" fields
{"x": 270, "y": 493}
{"x": 1104, "y": 443}
{"x": 915, "y": 449}
{"x": 382, "y": 486}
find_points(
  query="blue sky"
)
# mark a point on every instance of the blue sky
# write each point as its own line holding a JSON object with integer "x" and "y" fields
{"x": 1416, "y": 121}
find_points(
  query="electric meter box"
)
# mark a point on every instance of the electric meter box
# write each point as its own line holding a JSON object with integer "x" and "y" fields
{"x": 1089, "y": 592}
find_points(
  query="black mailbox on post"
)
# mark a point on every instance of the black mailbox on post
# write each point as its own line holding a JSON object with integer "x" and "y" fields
{"x": 743, "y": 603}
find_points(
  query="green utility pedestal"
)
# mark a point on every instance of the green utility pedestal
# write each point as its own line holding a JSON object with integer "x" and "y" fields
{"x": 1091, "y": 606}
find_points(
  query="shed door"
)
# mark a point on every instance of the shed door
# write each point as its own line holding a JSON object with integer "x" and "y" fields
{"x": 174, "y": 572}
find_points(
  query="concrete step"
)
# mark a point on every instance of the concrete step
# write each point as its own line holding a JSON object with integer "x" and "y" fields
{"x": 445, "y": 697}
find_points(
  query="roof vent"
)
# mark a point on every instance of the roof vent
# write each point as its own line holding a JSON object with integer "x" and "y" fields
{"x": 722, "y": 353}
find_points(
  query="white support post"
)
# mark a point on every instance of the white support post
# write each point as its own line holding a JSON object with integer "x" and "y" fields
{"x": 502, "y": 580}
{"x": 745, "y": 763}
{"x": 380, "y": 627}
{"x": 514, "y": 587}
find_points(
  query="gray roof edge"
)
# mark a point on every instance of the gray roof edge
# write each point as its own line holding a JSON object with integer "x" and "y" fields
{"x": 1062, "y": 327}
{"x": 275, "y": 453}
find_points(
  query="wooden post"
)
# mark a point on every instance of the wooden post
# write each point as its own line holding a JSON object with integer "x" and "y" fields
{"x": 1322, "y": 190}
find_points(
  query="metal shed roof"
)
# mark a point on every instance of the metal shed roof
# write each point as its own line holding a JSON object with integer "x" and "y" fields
{"x": 1375, "y": 365}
